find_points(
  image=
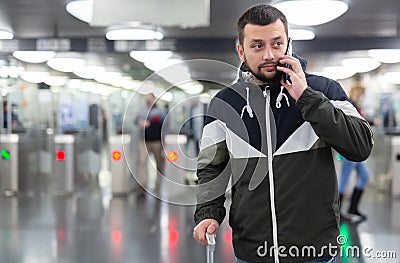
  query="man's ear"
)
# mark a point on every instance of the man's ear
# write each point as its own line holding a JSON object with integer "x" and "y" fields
{"x": 240, "y": 52}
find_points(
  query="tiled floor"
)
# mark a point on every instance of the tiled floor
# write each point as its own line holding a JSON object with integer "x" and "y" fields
{"x": 90, "y": 226}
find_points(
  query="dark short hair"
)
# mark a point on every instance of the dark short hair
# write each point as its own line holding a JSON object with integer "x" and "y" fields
{"x": 261, "y": 15}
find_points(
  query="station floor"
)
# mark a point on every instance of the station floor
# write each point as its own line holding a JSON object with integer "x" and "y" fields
{"x": 93, "y": 226}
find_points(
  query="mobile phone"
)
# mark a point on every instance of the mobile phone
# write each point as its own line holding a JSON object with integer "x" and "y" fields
{"x": 289, "y": 52}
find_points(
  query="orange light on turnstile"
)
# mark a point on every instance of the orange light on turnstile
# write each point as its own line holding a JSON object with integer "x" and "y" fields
{"x": 172, "y": 156}
{"x": 116, "y": 155}
{"x": 60, "y": 155}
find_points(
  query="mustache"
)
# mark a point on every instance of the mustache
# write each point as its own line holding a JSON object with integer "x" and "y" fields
{"x": 269, "y": 63}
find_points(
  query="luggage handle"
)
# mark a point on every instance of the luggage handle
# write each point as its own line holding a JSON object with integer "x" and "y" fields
{"x": 210, "y": 247}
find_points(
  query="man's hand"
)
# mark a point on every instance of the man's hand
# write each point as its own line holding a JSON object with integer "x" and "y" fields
{"x": 207, "y": 225}
{"x": 296, "y": 74}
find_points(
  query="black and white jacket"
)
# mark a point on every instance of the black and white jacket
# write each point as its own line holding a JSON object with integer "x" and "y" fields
{"x": 278, "y": 153}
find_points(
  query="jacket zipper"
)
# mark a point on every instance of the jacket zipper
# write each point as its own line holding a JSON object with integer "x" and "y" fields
{"x": 266, "y": 94}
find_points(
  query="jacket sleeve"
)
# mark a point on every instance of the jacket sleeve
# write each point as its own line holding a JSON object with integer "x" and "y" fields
{"x": 212, "y": 169}
{"x": 337, "y": 122}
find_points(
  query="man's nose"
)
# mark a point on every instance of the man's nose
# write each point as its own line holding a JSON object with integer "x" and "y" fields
{"x": 268, "y": 54}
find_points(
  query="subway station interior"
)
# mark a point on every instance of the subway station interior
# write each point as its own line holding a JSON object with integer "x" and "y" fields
{"x": 74, "y": 78}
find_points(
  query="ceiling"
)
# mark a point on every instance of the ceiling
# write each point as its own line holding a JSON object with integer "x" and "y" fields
{"x": 367, "y": 24}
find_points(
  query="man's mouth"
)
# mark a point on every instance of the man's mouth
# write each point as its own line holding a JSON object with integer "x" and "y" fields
{"x": 268, "y": 66}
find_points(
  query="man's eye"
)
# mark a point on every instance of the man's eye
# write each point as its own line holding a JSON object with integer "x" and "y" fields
{"x": 257, "y": 46}
{"x": 278, "y": 44}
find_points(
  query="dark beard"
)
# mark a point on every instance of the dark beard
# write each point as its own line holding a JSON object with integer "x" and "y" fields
{"x": 276, "y": 78}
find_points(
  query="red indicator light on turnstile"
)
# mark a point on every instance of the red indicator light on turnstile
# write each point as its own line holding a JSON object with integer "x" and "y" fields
{"x": 116, "y": 236}
{"x": 173, "y": 236}
{"x": 61, "y": 235}
{"x": 60, "y": 155}
{"x": 228, "y": 237}
{"x": 116, "y": 155}
{"x": 172, "y": 156}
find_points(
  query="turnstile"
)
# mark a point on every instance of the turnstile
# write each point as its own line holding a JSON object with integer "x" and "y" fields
{"x": 63, "y": 177}
{"x": 176, "y": 160}
{"x": 9, "y": 163}
{"x": 178, "y": 164}
{"x": 121, "y": 179}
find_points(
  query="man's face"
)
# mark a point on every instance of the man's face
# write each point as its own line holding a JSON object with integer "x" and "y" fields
{"x": 150, "y": 99}
{"x": 262, "y": 48}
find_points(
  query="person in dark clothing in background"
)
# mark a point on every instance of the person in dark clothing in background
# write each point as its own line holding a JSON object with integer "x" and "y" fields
{"x": 273, "y": 137}
{"x": 389, "y": 118}
{"x": 14, "y": 118}
{"x": 150, "y": 122}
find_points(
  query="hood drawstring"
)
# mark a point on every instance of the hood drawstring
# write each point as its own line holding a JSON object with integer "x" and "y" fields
{"x": 278, "y": 105}
{"x": 279, "y": 98}
{"x": 247, "y": 106}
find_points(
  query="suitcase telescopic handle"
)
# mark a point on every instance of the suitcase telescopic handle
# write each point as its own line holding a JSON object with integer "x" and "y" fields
{"x": 210, "y": 247}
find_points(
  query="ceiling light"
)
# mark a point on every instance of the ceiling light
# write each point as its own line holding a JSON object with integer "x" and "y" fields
{"x": 34, "y": 76}
{"x": 171, "y": 70}
{"x": 385, "y": 55}
{"x": 301, "y": 34}
{"x": 338, "y": 72}
{"x": 108, "y": 77}
{"x": 4, "y": 34}
{"x": 4, "y": 72}
{"x": 65, "y": 64}
{"x": 393, "y": 77}
{"x": 134, "y": 33}
{"x": 131, "y": 85}
{"x": 96, "y": 88}
{"x": 157, "y": 65}
{"x": 192, "y": 87}
{"x": 361, "y": 65}
{"x": 56, "y": 81}
{"x": 205, "y": 98}
{"x": 73, "y": 83}
{"x": 146, "y": 87}
{"x": 11, "y": 71}
{"x": 167, "y": 96}
{"x": 144, "y": 56}
{"x": 34, "y": 56}
{"x": 124, "y": 82}
{"x": 158, "y": 91}
{"x": 312, "y": 12}
{"x": 81, "y": 9}
{"x": 89, "y": 72}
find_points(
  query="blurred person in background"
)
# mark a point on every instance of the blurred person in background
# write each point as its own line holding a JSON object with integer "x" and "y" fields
{"x": 15, "y": 124}
{"x": 389, "y": 118}
{"x": 150, "y": 122}
{"x": 356, "y": 93}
